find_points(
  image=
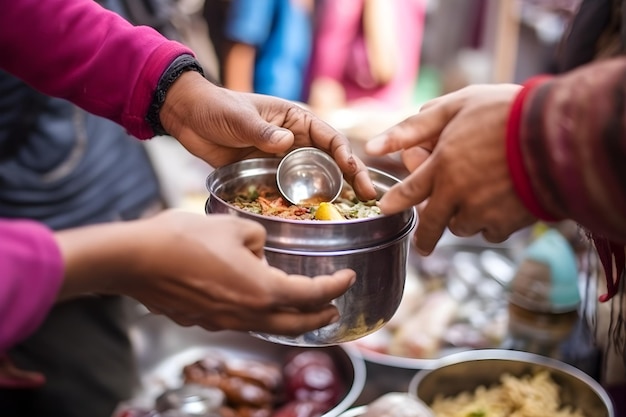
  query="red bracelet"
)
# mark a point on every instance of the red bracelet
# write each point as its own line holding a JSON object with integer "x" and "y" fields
{"x": 519, "y": 175}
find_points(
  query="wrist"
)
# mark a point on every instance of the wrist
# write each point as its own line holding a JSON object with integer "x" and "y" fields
{"x": 519, "y": 175}
{"x": 180, "y": 65}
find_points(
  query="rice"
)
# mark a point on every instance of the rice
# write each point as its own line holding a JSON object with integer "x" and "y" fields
{"x": 527, "y": 396}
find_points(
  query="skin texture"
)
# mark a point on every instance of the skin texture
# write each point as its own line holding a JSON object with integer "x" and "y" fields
{"x": 221, "y": 126}
{"x": 181, "y": 264}
{"x": 455, "y": 150}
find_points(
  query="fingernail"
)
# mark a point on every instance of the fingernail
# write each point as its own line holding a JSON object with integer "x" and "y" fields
{"x": 335, "y": 319}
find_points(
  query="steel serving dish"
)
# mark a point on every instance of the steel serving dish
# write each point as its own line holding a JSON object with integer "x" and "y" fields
{"x": 376, "y": 248}
{"x": 465, "y": 371}
{"x": 163, "y": 348}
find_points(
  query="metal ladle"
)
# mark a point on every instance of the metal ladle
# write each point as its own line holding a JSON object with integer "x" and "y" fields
{"x": 309, "y": 175}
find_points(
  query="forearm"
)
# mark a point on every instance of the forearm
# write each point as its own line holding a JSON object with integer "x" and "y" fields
{"x": 99, "y": 259}
{"x": 572, "y": 146}
{"x": 87, "y": 55}
{"x": 31, "y": 272}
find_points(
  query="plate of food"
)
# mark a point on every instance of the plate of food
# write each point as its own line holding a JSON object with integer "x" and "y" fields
{"x": 240, "y": 375}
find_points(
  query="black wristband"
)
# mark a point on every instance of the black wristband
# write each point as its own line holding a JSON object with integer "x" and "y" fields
{"x": 176, "y": 68}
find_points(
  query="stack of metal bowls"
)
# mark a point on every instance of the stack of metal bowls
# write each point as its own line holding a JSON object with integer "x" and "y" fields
{"x": 376, "y": 248}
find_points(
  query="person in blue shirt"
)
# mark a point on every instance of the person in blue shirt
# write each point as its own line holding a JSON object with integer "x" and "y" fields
{"x": 264, "y": 45}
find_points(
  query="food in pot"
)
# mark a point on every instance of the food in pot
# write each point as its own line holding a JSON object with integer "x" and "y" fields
{"x": 534, "y": 395}
{"x": 267, "y": 201}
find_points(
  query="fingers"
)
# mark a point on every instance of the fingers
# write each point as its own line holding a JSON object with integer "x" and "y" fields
{"x": 305, "y": 302}
{"x": 254, "y": 236}
{"x": 412, "y": 158}
{"x": 354, "y": 170}
{"x": 294, "y": 323}
{"x": 411, "y": 191}
{"x": 433, "y": 221}
{"x": 422, "y": 129}
{"x": 292, "y": 305}
{"x": 305, "y": 292}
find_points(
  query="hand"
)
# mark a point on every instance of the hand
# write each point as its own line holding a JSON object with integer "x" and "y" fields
{"x": 223, "y": 126}
{"x": 199, "y": 270}
{"x": 455, "y": 150}
{"x": 13, "y": 377}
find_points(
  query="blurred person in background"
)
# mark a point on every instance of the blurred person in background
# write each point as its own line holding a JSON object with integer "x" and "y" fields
{"x": 263, "y": 46}
{"x": 67, "y": 168}
{"x": 555, "y": 148}
{"x": 366, "y": 54}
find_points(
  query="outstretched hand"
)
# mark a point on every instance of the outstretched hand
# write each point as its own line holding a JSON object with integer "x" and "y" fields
{"x": 222, "y": 126}
{"x": 199, "y": 270}
{"x": 455, "y": 150}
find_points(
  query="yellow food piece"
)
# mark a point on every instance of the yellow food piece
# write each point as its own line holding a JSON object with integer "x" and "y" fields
{"x": 327, "y": 211}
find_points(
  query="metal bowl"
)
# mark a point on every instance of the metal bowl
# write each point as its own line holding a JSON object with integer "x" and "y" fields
{"x": 163, "y": 348}
{"x": 376, "y": 248}
{"x": 466, "y": 371}
{"x": 308, "y": 174}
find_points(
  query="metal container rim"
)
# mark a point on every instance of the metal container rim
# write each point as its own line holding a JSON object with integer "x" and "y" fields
{"x": 278, "y": 220}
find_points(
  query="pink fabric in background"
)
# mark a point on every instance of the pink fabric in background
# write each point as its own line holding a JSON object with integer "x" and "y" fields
{"x": 339, "y": 51}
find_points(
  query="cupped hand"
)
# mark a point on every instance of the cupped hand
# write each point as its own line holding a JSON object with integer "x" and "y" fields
{"x": 201, "y": 270}
{"x": 222, "y": 126}
{"x": 455, "y": 150}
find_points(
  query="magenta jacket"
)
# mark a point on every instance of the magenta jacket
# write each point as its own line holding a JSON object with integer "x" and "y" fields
{"x": 77, "y": 50}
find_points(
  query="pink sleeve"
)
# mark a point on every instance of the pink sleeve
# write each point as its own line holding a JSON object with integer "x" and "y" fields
{"x": 31, "y": 273}
{"x": 77, "y": 50}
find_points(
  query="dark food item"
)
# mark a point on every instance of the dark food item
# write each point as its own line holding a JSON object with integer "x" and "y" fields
{"x": 312, "y": 376}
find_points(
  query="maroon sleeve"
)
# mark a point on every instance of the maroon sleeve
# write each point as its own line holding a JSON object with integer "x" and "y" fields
{"x": 568, "y": 133}
{"x": 77, "y": 50}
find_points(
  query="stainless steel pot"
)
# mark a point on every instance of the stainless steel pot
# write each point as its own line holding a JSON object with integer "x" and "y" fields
{"x": 376, "y": 248}
{"x": 465, "y": 371}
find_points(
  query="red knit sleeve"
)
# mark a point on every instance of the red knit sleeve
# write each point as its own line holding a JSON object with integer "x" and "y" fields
{"x": 517, "y": 170}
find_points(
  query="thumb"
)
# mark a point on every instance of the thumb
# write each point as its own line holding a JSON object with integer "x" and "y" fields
{"x": 270, "y": 138}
